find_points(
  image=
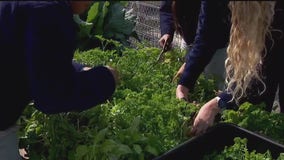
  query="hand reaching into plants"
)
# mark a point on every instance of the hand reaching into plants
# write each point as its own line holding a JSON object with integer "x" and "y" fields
{"x": 165, "y": 38}
{"x": 205, "y": 117}
{"x": 182, "y": 92}
{"x": 23, "y": 153}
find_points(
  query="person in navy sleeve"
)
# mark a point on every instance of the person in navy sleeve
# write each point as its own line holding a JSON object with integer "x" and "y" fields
{"x": 204, "y": 51}
{"x": 173, "y": 19}
{"x": 254, "y": 57}
{"x": 37, "y": 43}
{"x": 181, "y": 17}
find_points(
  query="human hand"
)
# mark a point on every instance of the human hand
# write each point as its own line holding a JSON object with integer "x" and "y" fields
{"x": 182, "y": 92}
{"x": 114, "y": 73}
{"x": 205, "y": 117}
{"x": 23, "y": 153}
{"x": 86, "y": 68}
{"x": 166, "y": 38}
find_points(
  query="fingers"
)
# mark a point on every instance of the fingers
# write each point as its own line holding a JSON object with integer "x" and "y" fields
{"x": 182, "y": 92}
{"x": 23, "y": 153}
{"x": 162, "y": 42}
{"x": 199, "y": 129}
{"x": 165, "y": 38}
{"x": 205, "y": 117}
{"x": 86, "y": 68}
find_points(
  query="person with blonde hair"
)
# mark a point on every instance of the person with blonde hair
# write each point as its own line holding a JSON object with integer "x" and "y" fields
{"x": 253, "y": 59}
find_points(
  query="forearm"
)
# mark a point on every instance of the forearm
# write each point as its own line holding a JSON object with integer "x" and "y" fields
{"x": 87, "y": 89}
{"x": 166, "y": 18}
{"x": 212, "y": 34}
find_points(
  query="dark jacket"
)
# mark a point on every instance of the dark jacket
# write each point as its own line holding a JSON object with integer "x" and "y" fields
{"x": 187, "y": 15}
{"x": 37, "y": 42}
{"x": 213, "y": 33}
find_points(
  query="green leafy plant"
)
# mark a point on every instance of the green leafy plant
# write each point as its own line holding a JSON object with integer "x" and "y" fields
{"x": 108, "y": 19}
{"x": 255, "y": 118}
{"x": 142, "y": 120}
{"x": 239, "y": 151}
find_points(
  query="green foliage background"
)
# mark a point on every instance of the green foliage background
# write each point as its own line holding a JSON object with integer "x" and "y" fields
{"x": 141, "y": 121}
{"x": 108, "y": 19}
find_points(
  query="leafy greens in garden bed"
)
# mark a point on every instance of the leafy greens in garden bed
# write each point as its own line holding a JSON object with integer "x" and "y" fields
{"x": 142, "y": 120}
{"x": 239, "y": 151}
{"x": 256, "y": 119}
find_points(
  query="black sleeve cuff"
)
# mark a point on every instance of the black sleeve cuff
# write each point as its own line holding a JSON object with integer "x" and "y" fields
{"x": 226, "y": 101}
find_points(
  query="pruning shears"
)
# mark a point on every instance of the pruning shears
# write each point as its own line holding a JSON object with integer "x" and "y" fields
{"x": 164, "y": 50}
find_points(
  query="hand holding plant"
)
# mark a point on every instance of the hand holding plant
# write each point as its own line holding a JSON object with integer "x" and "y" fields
{"x": 205, "y": 117}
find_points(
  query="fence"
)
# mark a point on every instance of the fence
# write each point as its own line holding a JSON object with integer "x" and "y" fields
{"x": 148, "y": 22}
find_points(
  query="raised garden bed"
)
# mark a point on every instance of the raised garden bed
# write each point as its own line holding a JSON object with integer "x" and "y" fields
{"x": 216, "y": 138}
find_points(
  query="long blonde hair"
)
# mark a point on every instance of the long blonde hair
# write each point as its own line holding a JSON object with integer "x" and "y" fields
{"x": 251, "y": 21}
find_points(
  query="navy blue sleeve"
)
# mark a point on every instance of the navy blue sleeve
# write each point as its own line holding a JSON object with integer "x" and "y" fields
{"x": 55, "y": 84}
{"x": 77, "y": 66}
{"x": 226, "y": 98}
{"x": 212, "y": 34}
{"x": 166, "y": 18}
